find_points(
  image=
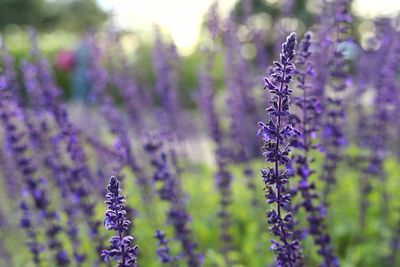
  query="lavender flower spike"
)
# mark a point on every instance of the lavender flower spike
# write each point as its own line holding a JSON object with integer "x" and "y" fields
{"x": 33, "y": 243}
{"x": 163, "y": 250}
{"x": 171, "y": 191}
{"x": 309, "y": 110}
{"x": 276, "y": 135}
{"x": 333, "y": 135}
{"x": 121, "y": 244}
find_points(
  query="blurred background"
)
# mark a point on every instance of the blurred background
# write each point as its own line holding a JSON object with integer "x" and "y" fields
{"x": 62, "y": 25}
{"x": 145, "y": 54}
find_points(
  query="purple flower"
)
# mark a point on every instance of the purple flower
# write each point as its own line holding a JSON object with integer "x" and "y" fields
{"x": 332, "y": 134}
{"x": 223, "y": 178}
{"x": 9, "y": 71}
{"x": 79, "y": 175}
{"x": 171, "y": 192}
{"x": 27, "y": 224}
{"x": 163, "y": 250}
{"x": 309, "y": 110}
{"x": 276, "y": 135}
{"x": 123, "y": 79}
{"x": 61, "y": 172}
{"x": 100, "y": 78}
{"x": 241, "y": 105}
{"x": 213, "y": 20}
{"x": 36, "y": 187}
{"x": 385, "y": 106}
{"x": 121, "y": 245}
{"x": 12, "y": 183}
{"x": 76, "y": 174}
{"x": 165, "y": 58}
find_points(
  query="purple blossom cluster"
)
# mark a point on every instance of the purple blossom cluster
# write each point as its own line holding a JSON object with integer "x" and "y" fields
{"x": 171, "y": 192}
{"x": 191, "y": 189}
{"x": 26, "y": 223}
{"x": 333, "y": 131}
{"x": 163, "y": 250}
{"x": 310, "y": 109}
{"x": 223, "y": 178}
{"x": 32, "y": 184}
{"x": 121, "y": 244}
{"x": 276, "y": 135}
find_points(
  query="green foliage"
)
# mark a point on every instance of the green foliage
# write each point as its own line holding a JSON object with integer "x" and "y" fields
{"x": 274, "y": 9}
{"x": 70, "y": 15}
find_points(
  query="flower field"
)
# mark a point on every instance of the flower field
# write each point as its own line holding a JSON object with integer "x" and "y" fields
{"x": 271, "y": 145}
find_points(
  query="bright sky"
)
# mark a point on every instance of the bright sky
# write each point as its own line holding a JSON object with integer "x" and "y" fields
{"x": 373, "y": 8}
{"x": 182, "y": 18}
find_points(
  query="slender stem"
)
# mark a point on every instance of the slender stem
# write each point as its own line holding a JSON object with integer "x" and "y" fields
{"x": 120, "y": 232}
{"x": 278, "y": 129}
{"x": 305, "y": 118}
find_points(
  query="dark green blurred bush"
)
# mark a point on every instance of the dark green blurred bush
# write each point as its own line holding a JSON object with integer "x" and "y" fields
{"x": 69, "y": 15}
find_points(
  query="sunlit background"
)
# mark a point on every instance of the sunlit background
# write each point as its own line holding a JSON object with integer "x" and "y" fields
{"x": 182, "y": 18}
{"x": 62, "y": 24}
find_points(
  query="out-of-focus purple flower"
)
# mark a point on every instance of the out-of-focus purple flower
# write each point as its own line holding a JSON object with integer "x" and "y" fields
{"x": 247, "y": 9}
{"x": 35, "y": 118}
{"x": 16, "y": 142}
{"x": 207, "y": 105}
{"x": 223, "y": 178}
{"x": 26, "y": 223}
{"x": 32, "y": 85}
{"x": 163, "y": 250}
{"x": 171, "y": 191}
{"x": 276, "y": 135}
{"x": 335, "y": 114}
{"x": 385, "y": 106}
{"x": 100, "y": 78}
{"x": 123, "y": 78}
{"x": 259, "y": 40}
{"x": 42, "y": 76}
{"x": 213, "y": 20}
{"x": 309, "y": 110}
{"x": 323, "y": 43}
{"x": 241, "y": 105}
{"x": 7, "y": 167}
{"x": 61, "y": 172}
{"x": 121, "y": 244}
{"x": 371, "y": 130}
{"x": 240, "y": 102}
{"x": 79, "y": 174}
{"x": 165, "y": 57}
{"x": 9, "y": 71}
{"x": 108, "y": 159}
{"x": 32, "y": 88}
